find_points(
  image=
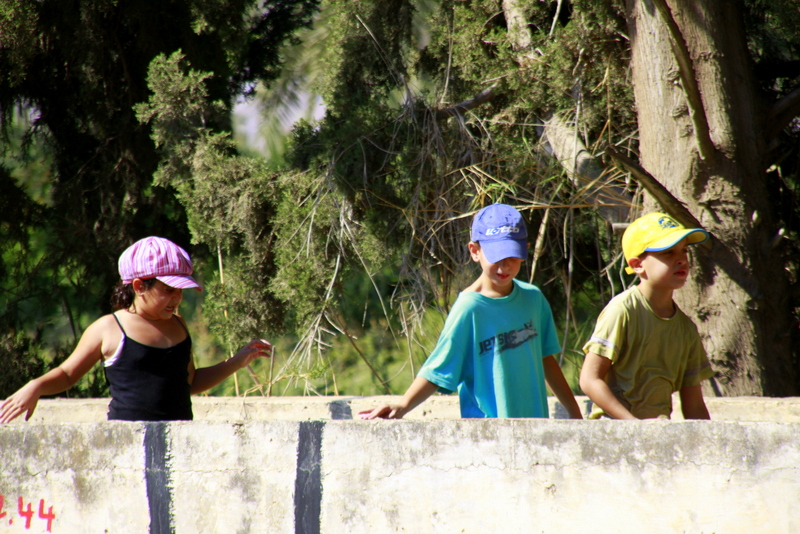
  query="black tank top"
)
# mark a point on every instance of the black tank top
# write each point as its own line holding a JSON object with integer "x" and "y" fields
{"x": 150, "y": 383}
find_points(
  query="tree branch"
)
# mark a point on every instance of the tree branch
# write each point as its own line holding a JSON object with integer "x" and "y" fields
{"x": 517, "y": 26}
{"x": 782, "y": 113}
{"x": 582, "y": 168}
{"x": 555, "y": 18}
{"x": 459, "y": 109}
{"x": 689, "y": 82}
{"x": 671, "y": 205}
{"x": 585, "y": 172}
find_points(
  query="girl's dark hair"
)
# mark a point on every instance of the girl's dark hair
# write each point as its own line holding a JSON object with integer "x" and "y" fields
{"x": 122, "y": 296}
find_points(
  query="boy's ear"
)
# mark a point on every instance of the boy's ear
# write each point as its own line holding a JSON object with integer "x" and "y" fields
{"x": 474, "y": 248}
{"x": 635, "y": 263}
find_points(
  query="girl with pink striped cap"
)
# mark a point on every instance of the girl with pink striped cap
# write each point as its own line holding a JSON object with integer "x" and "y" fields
{"x": 144, "y": 345}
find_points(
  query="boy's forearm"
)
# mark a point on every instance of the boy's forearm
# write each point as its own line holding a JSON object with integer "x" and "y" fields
{"x": 567, "y": 400}
{"x": 602, "y": 396}
{"x": 699, "y": 412}
{"x": 693, "y": 406}
{"x": 593, "y": 383}
{"x": 419, "y": 390}
{"x": 560, "y": 388}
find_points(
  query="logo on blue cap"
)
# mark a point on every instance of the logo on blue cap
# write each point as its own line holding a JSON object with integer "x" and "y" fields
{"x": 501, "y": 232}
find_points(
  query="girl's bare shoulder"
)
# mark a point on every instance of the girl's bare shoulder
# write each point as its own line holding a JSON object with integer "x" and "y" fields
{"x": 106, "y": 322}
{"x": 105, "y": 333}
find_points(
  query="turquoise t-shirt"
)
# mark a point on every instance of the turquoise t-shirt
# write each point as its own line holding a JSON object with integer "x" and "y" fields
{"x": 490, "y": 351}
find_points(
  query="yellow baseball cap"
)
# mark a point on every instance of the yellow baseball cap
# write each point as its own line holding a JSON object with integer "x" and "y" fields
{"x": 654, "y": 232}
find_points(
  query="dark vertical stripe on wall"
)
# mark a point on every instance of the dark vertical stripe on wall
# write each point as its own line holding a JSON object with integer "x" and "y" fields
{"x": 156, "y": 475}
{"x": 308, "y": 482}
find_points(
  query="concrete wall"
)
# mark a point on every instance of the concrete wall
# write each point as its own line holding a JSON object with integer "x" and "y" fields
{"x": 307, "y": 468}
{"x": 783, "y": 410}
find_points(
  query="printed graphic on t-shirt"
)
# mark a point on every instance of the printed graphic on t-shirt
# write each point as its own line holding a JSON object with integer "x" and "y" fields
{"x": 508, "y": 340}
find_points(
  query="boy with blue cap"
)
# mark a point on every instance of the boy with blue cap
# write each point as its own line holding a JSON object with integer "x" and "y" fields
{"x": 644, "y": 348}
{"x": 497, "y": 345}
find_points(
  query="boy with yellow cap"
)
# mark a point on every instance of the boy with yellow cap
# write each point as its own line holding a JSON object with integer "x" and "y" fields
{"x": 644, "y": 348}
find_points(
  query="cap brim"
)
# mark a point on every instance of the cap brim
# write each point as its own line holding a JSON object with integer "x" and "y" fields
{"x": 694, "y": 236}
{"x": 180, "y": 282}
{"x": 496, "y": 251}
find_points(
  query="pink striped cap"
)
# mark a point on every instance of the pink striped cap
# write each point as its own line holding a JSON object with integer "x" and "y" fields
{"x": 156, "y": 257}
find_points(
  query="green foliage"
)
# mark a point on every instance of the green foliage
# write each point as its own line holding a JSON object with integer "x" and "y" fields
{"x": 18, "y": 366}
{"x": 76, "y": 181}
{"x": 351, "y": 244}
{"x": 773, "y": 32}
{"x": 287, "y": 242}
{"x": 370, "y": 215}
{"x": 410, "y": 181}
{"x": 25, "y": 358}
{"x": 226, "y": 197}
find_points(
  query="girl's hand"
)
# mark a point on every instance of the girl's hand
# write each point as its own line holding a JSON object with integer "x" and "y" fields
{"x": 23, "y": 401}
{"x": 255, "y": 349}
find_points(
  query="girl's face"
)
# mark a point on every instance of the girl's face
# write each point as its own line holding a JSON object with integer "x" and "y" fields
{"x": 159, "y": 302}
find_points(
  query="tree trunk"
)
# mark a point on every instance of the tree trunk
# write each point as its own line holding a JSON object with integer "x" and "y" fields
{"x": 702, "y": 135}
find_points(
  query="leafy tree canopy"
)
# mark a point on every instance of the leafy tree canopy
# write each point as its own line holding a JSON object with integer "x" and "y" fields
{"x": 78, "y": 69}
{"x": 435, "y": 109}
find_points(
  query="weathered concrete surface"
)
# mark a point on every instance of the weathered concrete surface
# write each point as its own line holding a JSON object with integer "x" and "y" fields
{"x": 110, "y": 477}
{"x": 233, "y": 477}
{"x": 443, "y": 475}
{"x": 785, "y": 410}
{"x": 90, "y": 474}
{"x": 560, "y": 476}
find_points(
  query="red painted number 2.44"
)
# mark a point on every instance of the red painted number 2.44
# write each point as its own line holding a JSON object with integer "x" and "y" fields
{"x": 26, "y": 512}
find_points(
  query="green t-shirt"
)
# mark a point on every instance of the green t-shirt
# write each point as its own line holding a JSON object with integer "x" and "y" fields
{"x": 651, "y": 357}
{"x": 490, "y": 351}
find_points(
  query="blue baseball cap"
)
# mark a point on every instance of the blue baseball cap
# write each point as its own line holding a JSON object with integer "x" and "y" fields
{"x": 501, "y": 232}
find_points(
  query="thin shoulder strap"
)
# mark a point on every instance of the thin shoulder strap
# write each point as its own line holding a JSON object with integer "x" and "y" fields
{"x": 181, "y": 323}
{"x": 120, "y": 324}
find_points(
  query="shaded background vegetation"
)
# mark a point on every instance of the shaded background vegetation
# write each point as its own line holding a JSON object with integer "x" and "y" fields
{"x": 346, "y": 244}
